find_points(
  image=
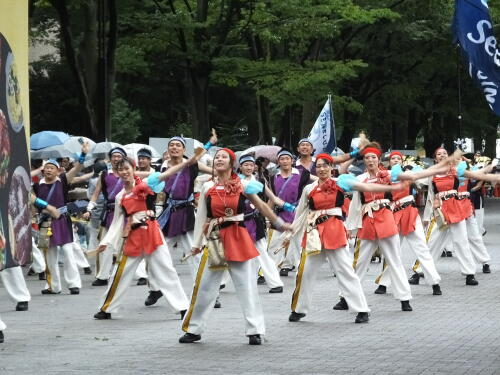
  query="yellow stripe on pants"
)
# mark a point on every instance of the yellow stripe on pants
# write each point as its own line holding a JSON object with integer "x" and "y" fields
{"x": 114, "y": 285}
{"x": 384, "y": 267}
{"x": 298, "y": 282}
{"x": 199, "y": 274}
{"x": 356, "y": 254}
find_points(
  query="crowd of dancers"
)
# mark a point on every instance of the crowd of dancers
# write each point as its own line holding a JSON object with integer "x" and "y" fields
{"x": 237, "y": 220}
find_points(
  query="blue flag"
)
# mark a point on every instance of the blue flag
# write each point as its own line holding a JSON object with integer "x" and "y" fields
{"x": 473, "y": 31}
{"x": 322, "y": 135}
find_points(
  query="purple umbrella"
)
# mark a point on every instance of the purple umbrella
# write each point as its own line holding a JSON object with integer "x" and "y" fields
{"x": 265, "y": 151}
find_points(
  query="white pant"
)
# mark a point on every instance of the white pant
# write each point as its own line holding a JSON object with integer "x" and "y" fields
{"x": 391, "y": 250}
{"x": 206, "y": 290}
{"x": 141, "y": 271}
{"x": 416, "y": 242}
{"x": 341, "y": 262}
{"x": 104, "y": 260}
{"x": 480, "y": 220}
{"x": 184, "y": 245}
{"x": 38, "y": 258}
{"x": 161, "y": 272}
{"x": 457, "y": 233}
{"x": 80, "y": 259}
{"x": 265, "y": 262}
{"x": 285, "y": 258}
{"x": 476, "y": 243}
{"x": 2, "y": 325}
{"x": 70, "y": 270}
{"x": 15, "y": 285}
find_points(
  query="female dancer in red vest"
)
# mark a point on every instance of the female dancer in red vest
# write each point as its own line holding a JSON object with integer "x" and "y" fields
{"x": 220, "y": 217}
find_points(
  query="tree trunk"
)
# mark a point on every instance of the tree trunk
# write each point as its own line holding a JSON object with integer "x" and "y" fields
{"x": 264, "y": 137}
{"x": 199, "y": 86}
{"x": 413, "y": 128}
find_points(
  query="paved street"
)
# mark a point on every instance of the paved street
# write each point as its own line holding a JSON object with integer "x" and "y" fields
{"x": 456, "y": 333}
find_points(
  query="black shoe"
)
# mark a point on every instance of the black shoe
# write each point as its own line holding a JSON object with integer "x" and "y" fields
{"x": 153, "y": 297}
{"x": 142, "y": 281}
{"x": 449, "y": 254}
{"x": 382, "y": 289}
{"x": 278, "y": 289}
{"x": 471, "y": 280}
{"x": 295, "y": 317}
{"x": 405, "y": 306}
{"x": 87, "y": 271}
{"x": 261, "y": 280}
{"x": 41, "y": 276}
{"x": 31, "y": 272}
{"x": 284, "y": 272}
{"x": 22, "y": 306}
{"x": 414, "y": 279}
{"x": 74, "y": 290}
{"x": 1, "y": 337}
{"x": 49, "y": 291}
{"x": 254, "y": 340}
{"x": 484, "y": 232}
{"x": 189, "y": 338}
{"x": 486, "y": 268}
{"x": 341, "y": 305}
{"x": 183, "y": 313}
{"x": 100, "y": 282}
{"x": 436, "y": 290}
{"x": 217, "y": 304}
{"x": 222, "y": 286}
{"x": 101, "y": 315}
{"x": 362, "y": 317}
{"x": 443, "y": 254}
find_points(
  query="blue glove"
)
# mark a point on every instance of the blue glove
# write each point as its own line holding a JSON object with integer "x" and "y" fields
{"x": 254, "y": 187}
{"x": 289, "y": 207}
{"x": 461, "y": 168}
{"x": 154, "y": 182}
{"x": 346, "y": 182}
{"x": 40, "y": 204}
{"x": 396, "y": 170}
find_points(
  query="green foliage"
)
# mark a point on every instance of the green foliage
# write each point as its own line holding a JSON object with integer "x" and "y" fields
{"x": 124, "y": 122}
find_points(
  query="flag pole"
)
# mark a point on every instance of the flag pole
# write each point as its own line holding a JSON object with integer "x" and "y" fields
{"x": 332, "y": 126}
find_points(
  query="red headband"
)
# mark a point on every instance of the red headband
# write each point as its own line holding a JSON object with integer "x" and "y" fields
{"x": 394, "y": 153}
{"x": 232, "y": 155}
{"x": 325, "y": 157}
{"x": 372, "y": 150}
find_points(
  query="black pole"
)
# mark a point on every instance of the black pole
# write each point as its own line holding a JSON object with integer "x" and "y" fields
{"x": 102, "y": 73}
{"x": 459, "y": 100}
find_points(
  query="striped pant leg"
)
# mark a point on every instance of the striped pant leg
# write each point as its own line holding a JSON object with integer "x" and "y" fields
{"x": 306, "y": 280}
{"x": 162, "y": 272}
{"x": 274, "y": 247}
{"x": 205, "y": 291}
{"x": 15, "y": 285}
{"x": 418, "y": 245}
{"x": 119, "y": 283}
{"x": 267, "y": 264}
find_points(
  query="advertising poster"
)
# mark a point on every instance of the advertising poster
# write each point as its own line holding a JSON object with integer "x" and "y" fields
{"x": 15, "y": 181}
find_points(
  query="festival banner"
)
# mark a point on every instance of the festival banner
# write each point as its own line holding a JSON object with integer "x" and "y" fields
{"x": 473, "y": 31}
{"x": 322, "y": 135}
{"x": 15, "y": 181}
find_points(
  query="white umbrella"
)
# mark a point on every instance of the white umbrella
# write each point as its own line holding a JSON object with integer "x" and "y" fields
{"x": 101, "y": 149}
{"x": 69, "y": 149}
{"x": 132, "y": 149}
